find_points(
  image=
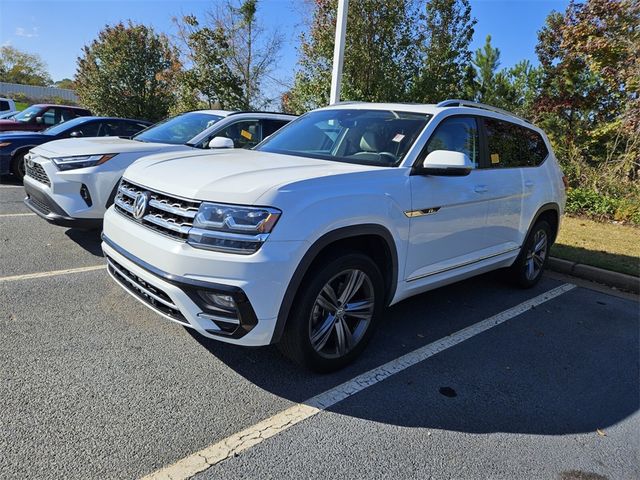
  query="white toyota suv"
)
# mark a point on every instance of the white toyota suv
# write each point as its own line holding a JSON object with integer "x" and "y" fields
{"x": 72, "y": 182}
{"x": 304, "y": 240}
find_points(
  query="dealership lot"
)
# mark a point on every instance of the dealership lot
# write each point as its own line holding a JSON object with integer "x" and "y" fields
{"x": 95, "y": 385}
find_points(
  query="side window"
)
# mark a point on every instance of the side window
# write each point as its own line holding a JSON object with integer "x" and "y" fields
{"x": 512, "y": 146}
{"x": 534, "y": 147}
{"x": 89, "y": 129}
{"x": 271, "y": 126}
{"x": 126, "y": 129}
{"x": 245, "y": 134}
{"x": 459, "y": 134}
{"x": 4, "y": 105}
{"x": 50, "y": 117}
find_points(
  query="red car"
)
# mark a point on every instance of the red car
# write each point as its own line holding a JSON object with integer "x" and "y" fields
{"x": 41, "y": 116}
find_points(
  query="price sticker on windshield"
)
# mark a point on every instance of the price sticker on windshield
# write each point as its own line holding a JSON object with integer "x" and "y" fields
{"x": 398, "y": 138}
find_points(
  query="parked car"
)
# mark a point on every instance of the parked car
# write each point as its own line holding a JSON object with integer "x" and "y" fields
{"x": 7, "y": 105}
{"x": 305, "y": 239}
{"x": 5, "y": 115}
{"x": 15, "y": 145}
{"x": 39, "y": 117}
{"x": 72, "y": 182}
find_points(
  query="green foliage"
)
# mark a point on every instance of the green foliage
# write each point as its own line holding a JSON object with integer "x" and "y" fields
{"x": 585, "y": 201}
{"x": 128, "y": 71}
{"x": 23, "y": 68}
{"x": 65, "y": 83}
{"x": 230, "y": 56}
{"x": 444, "y": 51}
{"x": 381, "y": 54}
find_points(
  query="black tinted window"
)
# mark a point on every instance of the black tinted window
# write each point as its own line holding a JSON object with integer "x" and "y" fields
{"x": 126, "y": 129}
{"x": 4, "y": 105}
{"x": 512, "y": 145}
{"x": 272, "y": 126}
{"x": 458, "y": 134}
{"x": 87, "y": 129}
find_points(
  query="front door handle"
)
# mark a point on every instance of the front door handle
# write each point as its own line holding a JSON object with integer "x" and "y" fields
{"x": 528, "y": 184}
{"x": 481, "y": 189}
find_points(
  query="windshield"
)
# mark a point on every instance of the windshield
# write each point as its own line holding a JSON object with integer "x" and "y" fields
{"x": 63, "y": 127}
{"x": 367, "y": 137}
{"x": 178, "y": 130}
{"x": 27, "y": 114}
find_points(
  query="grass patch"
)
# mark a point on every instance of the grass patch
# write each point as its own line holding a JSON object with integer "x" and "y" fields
{"x": 605, "y": 245}
{"x": 21, "y": 106}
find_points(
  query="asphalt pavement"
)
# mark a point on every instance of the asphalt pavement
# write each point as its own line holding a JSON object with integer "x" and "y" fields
{"x": 95, "y": 385}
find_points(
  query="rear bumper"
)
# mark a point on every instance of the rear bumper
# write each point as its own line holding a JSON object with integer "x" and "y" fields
{"x": 43, "y": 205}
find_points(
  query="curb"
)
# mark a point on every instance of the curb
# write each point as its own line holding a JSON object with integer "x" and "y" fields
{"x": 621, "y": 281}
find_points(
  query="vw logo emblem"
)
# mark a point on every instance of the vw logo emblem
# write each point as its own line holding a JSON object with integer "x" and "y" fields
{"x": 140, "y": 205}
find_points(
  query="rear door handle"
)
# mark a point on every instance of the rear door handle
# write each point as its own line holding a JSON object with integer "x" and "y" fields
{"x": 528, "y": 184}
{"x": 481, "y": 189}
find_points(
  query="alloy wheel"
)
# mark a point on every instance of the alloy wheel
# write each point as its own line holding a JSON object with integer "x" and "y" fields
{"x": 341, "y": 313}
{"x": 536, "y": 255}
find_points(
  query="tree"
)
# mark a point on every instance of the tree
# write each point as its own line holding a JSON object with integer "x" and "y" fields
{"x": 381, "y": 53}
{"x": 209, "y": 77}
{"x": 23, "y": 68}
{"x": 128, "y": 71}
{"x": 445, "y": 54}
{"x": 65, "y": 83}
{"x": 244, "y": 58}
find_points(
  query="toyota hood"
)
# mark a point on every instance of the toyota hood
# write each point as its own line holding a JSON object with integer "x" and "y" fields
{"x": 97, "y": 146}
{"x": 228, "y": 176}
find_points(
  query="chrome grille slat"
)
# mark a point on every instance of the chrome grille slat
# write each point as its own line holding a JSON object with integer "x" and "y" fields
{"x": 36, "y": 172}
{"x": 166, "y": 214}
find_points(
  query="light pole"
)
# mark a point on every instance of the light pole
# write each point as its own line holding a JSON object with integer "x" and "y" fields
{"x": 338, "y": 51}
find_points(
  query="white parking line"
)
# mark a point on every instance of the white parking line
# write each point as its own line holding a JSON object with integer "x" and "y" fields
{"x": 2, "y": 215}
{"x": 249, "y": 437}
{"x": 53, "y": 273}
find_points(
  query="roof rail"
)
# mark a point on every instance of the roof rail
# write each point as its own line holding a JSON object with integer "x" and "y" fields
{"x": 260, "y": 111}
{"x": 454, "y": 102}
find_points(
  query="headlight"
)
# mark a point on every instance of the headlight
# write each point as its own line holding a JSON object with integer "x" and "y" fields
{"x": 232, "y": 228}
{"x": 83, "y": 161}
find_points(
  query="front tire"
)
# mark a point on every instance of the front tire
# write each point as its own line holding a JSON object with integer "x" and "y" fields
{"x": 17, "y": 166}
{"x": 334, "y": 313}
{"x": 528, "y": 268}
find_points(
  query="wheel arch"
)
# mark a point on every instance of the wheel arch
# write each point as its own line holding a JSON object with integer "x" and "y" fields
{"x": 549, "y": 212}
{"x": 345, "y": 237}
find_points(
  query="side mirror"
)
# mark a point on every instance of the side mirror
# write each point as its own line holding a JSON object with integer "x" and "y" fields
{"x": 76, "y": 133}
{"x": 446, "y": 163}
{"x": 221, "y": 142}
{"x": 39, "y": 120}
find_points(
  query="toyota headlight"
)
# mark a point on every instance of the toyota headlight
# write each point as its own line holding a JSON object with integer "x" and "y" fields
{"x": 232, "y": 228}
{"x": 82, "y": 161}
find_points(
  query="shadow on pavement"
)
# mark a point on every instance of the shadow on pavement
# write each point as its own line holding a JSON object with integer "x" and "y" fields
{"x": 87, "y": 239}
{"x": 570, "y": 365}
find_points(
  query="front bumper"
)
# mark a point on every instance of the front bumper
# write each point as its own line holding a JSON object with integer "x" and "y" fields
{"x": 172, "y": 272}
{"x": 42, "y": 204}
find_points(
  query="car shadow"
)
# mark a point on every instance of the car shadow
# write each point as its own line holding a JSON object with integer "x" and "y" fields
{"x": 611, "y": 261}
{"x": 552, "y": 372}
{"x": 10, "y": 180}
{"x": 88, "y": 239}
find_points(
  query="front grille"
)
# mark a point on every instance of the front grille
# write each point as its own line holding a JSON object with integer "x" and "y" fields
{"x": 35, "y": 171}
{"x": 149, "y": 294}
{"x": 42, "y": 207}
{"x": 169, "y": 215}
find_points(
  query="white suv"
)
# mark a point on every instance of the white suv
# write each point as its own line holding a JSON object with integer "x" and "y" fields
{"x": 72, "y": 182}
{"x": 305, "y": 239}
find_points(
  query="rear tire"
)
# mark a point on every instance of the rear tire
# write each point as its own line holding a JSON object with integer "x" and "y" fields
{"x": 17, "y": 165}
{"x": 335, "y": 313}
{"x": 528, "y": 268}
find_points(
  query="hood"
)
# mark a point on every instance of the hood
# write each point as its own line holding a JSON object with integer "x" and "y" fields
{"x": 17, "y": 135}
{"x": 8, "y": 125}
{"x": 228, "y": 176}
{"x": 96, "y": 146}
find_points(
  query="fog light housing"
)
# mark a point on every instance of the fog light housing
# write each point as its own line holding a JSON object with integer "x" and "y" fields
{"x": 219, "y": 301}
{"x": 86, "y": 196}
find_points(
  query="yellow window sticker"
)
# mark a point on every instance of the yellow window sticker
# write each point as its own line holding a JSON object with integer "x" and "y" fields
{"x": 246, "y": 134}
{"x": 495, "y": 158}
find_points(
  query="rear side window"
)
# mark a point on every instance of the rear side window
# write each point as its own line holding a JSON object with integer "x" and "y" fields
{"x": 271, "y": 126}
{"x": 4, "y": 105}
{"x": 512, "y": 146}
{"x": 126, "y": 129}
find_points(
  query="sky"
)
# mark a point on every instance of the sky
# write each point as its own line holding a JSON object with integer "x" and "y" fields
{"x": 58, "y": 29}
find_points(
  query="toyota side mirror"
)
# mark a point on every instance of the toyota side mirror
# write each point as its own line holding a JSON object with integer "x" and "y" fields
{"x": 446, "y": 163}
{"x": 221, "y": 142}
